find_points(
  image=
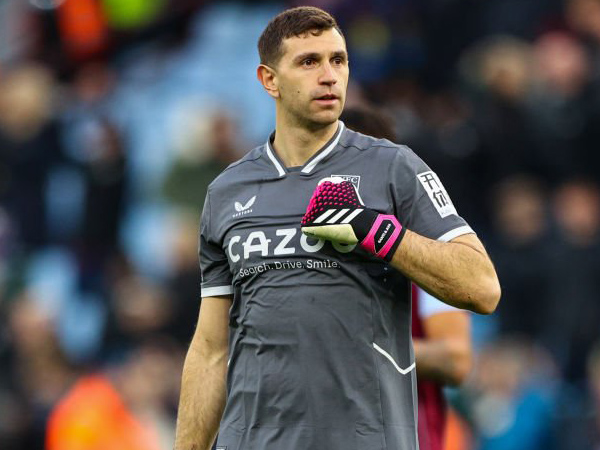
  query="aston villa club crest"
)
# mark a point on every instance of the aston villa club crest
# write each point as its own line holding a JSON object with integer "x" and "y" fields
{"x": 354, "y": 179}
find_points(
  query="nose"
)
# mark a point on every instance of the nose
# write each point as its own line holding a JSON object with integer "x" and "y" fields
{"x": 328, "y": 75}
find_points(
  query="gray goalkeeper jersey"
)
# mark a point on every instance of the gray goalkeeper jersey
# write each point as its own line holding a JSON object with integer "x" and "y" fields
{"x": 320, "y": 342}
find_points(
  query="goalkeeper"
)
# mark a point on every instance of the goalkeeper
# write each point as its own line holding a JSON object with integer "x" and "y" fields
{"x": 308, "y": 246}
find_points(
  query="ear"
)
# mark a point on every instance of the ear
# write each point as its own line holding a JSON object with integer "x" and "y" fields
{"x": 268, "y": 78}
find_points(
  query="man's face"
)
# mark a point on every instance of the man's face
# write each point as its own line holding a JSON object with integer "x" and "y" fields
{"x": 312, "y": 77}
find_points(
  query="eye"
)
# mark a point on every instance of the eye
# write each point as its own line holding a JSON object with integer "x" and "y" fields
{"x": 308, "y": 62}
{"x": 338, "y": 61}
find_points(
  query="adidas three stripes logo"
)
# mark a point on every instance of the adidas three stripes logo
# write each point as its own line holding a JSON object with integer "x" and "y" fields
{"x": 337, "y": 216}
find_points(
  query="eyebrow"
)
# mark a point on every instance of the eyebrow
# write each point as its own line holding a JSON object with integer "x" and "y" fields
{"x": 314, "y": 55}
{"x": 340, "y": 54}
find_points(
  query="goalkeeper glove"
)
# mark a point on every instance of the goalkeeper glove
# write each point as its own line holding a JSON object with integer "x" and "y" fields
{"x": 336, "y": 214}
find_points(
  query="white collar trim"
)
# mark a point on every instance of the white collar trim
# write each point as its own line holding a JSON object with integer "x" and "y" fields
{"x": 274, "y": 160}
{"x": 312, "y": 164}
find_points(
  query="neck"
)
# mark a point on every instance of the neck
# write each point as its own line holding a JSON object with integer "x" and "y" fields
{"x": 296, "y": 143}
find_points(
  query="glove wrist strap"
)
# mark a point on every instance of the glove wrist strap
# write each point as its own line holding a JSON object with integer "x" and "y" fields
{"x": 384, "y": 236}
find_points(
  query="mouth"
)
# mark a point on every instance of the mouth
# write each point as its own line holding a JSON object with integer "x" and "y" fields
{"x": 327, "y": 100}
{"x": 327, "y": 97}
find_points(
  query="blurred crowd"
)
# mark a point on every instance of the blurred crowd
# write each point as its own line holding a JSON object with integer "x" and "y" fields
{"x": 116, "y": 114}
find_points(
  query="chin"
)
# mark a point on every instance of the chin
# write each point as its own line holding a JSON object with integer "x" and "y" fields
{"x": 326, "y": 117}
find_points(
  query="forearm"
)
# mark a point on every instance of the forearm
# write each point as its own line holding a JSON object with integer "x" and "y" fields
{"x": 444, "y": 362}
{"x": 202, "y": 399}
{"x": 458, "y": 273}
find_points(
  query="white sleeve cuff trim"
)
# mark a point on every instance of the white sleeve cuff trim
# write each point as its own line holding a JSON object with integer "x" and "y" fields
{"x": 465, "y": 229}
{"x": 217, "y": 290}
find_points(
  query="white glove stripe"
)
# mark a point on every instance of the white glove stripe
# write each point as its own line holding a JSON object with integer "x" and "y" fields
{"x": 352, "y": 215}
{"x": 324, "y": 216}
{"x": 338, "y": 216}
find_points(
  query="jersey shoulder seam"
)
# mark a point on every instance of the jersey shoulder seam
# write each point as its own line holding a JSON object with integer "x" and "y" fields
{"x": 382, "y": 145}
{"x": 250, "y": 157}
{"x": 247, "y": 158}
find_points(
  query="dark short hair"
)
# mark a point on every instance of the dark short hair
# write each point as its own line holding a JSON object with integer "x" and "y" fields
{"x": 292, "y": 22}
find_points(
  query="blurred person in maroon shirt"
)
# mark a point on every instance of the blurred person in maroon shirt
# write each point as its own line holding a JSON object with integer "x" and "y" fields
{"x": 442, "y": 343}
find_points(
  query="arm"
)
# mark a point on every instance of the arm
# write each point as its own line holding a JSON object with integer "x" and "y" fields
{"x": 458, "y": 272}
{"x": 202, "y": 398}
{"x": 444, "y": 355}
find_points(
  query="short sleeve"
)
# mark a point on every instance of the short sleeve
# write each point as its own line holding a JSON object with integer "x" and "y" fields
{"x": 422, "y": 203}
{"x": 214, "y": 266}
